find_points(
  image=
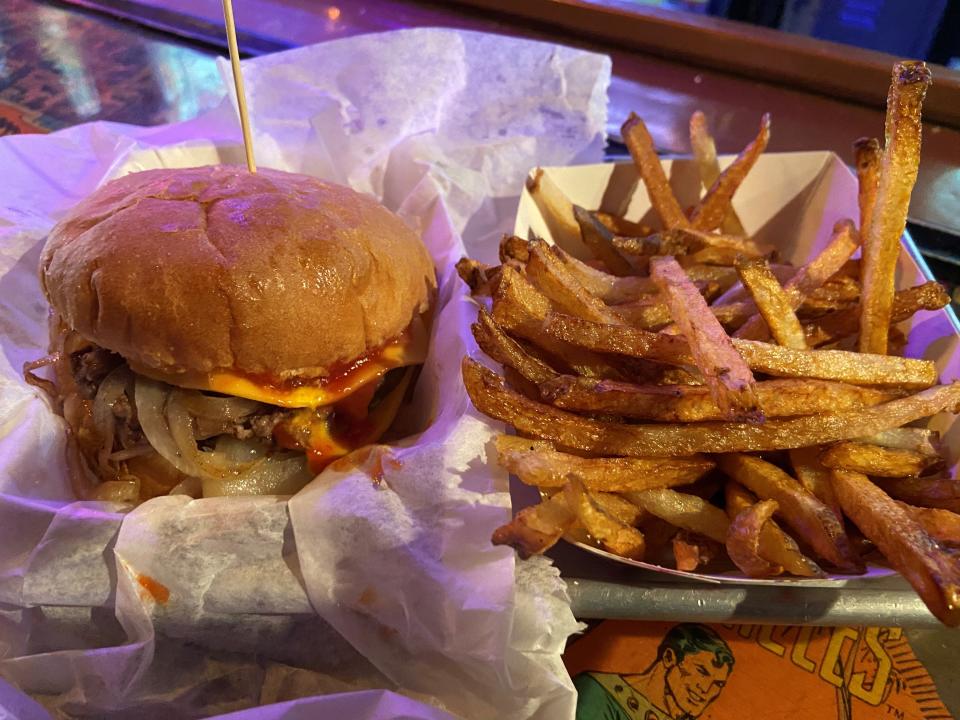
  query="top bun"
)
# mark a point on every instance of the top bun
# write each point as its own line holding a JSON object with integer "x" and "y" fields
{"x": 190, "y": 271}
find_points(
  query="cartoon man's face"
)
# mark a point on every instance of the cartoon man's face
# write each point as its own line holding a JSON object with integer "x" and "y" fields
{"x": 695, "y": 681}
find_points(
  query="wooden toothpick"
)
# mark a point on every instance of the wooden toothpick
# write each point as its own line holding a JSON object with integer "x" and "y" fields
{"x": 238, "y": 83}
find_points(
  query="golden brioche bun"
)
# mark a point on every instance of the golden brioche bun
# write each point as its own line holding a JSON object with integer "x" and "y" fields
{"x": 190, "y": 271}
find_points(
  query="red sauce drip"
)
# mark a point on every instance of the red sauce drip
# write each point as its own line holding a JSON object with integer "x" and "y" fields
{"x": 352, "y": 433}
{"x": 376, "y": 472}
{"x": 318, "y": 459}
{"x": 356, "y": 405}
{"x": 157, "y": 590}
{"x": 339, "y": 378}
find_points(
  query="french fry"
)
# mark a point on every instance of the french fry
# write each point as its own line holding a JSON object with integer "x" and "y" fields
{"x": 896, "y": 342}
{"x": 555, "y": 207}
{"x": 866, "y": 153}
{"x": 839, "y": 291}
{"x": 704, "y": 149}
{"x": 521, "y": 384}
{"x": 942, "y": 525}
{"x": 638, "y": 141}
{"x": 775, "y": 545}
{"x": 618, "y": 507}
{"x": 919, "y": 440}
{"x": 649, "y": 313}
{"x": 479, "y": 277}
{"x": 810, "y": 519}
{"x": 521, "y": 309}
{"x": 621, "y": 226}
{"x": 517, "y": 305}
{"x": 898, "y": 173}
{"x": 743, "y": 540}
{"x": 839, "y": 365}
{"x": 599, "y": 240}
{"x": 811, "y": 276}
{"x": 658, "y": 535}
{"x": 686, "y": 241}
{"x": 844, "y": 323}
{"x": 814, "y": 476}
{"x": 832, "y": 260}
{"x": 772, "y": 302}
{"x": 879, "y": 461}
{"x": 549, "y": 275}
{"x": 514, "y": 248}
{"x": 505, "y": 350}
{"x": 705, "y": 153}
{"x": 603, "y": 285}
{"x": 690, "y": 550}
{"x": 934, "y": 492}
{"x": 537, "y": 528}
{"x": 737, "y": 293}
{"x": 725, "y": 277}
{"x": 668, "y": 242}
{"x": 609, "y": 288}
{"x": 686, "y": 511}
{"x": 711, "y": 255}
{"x": 715, "y": 205}
{"x": 538, "y": 463}
{"x": 739, "y": 243}
{"x": 691, "y": 403}
{"x": 645, "y": 314}
{"x": 612, "y": 534}
{"x": 726, "y": 374}
{"x": 670, "y": 349}
{"x": 625, "y": 385}
{"x": 905, "y": 544}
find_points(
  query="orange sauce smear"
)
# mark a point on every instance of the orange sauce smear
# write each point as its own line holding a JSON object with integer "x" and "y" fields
{"x": 340, "y": 376}
{"x": 157, "y": 590}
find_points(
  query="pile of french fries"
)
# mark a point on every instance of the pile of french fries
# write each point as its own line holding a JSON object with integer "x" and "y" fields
{"x": 683, "y": 394}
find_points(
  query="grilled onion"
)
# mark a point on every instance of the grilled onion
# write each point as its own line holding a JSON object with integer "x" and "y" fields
{"x": 113, "y": 386}
{"x": 151, "y": 400}
{"x": 276, "y": 474}
{"x": 210, "y": 465}
{"x": 212, "y": 407}
{"x": 122, "y": 491}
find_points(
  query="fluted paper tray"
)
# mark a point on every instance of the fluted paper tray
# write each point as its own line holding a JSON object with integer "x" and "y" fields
{"x": 790, "y": 201}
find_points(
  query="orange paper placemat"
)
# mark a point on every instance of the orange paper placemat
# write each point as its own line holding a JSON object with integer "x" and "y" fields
{"x": 627, "y": 670}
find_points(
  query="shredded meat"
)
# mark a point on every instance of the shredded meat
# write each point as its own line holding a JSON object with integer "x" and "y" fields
{"x": 128, "y": 426}
{"x": 91, "y": 364}
{"x": 90, "y": 367}
{"x": 260, "y": 426}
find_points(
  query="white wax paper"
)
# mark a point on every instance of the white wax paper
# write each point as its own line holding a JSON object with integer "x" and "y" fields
{"x": 360, "y": 588}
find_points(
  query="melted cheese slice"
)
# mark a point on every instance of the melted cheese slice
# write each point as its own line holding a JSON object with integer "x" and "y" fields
{"x": 411, "y": 349}
{"x": 325, "y": 447}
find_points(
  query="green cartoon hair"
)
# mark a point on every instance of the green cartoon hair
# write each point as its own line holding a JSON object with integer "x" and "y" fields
{"x": 692, "y": 638}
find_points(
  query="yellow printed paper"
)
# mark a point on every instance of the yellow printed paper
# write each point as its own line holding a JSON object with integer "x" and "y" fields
{"x": 682, "y": 671}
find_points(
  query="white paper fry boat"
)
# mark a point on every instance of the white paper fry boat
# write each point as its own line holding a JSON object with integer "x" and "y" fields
{"x": 790, "y": 201}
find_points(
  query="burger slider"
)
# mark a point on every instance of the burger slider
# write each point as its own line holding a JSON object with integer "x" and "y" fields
{"x": 217, "y": 332}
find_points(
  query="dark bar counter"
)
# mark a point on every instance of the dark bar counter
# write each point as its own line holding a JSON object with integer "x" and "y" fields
{"x": 666, "y": 64}
{"x": 64, "y": 65}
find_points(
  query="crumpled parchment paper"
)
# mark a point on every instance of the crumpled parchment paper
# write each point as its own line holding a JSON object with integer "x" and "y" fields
{"x": 376, "y": 586}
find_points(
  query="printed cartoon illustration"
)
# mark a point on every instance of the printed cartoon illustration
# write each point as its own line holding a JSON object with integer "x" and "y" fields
{"x": 692, "y": 667}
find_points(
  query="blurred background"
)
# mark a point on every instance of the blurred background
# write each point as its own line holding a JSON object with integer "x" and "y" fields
{"x": 925, "y": 29}
{"x": 821, "y": 67}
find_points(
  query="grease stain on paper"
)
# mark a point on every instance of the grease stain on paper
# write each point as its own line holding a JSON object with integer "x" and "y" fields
{"x": 155, "y": 589}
